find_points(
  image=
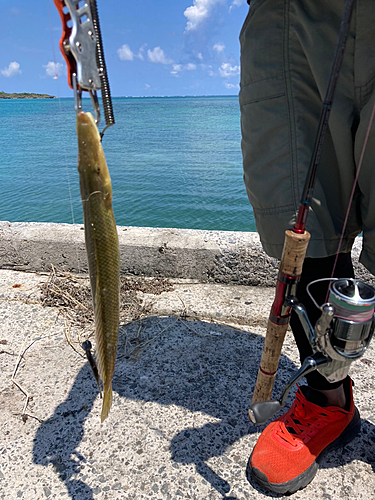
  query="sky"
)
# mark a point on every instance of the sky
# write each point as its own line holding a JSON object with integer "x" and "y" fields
{"x": 152, "y": 48}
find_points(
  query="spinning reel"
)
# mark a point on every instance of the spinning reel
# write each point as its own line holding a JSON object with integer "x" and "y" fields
{"x": 341, "y": 335}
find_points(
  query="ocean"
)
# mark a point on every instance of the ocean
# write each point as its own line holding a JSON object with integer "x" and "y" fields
{"x": 174, "y": 162}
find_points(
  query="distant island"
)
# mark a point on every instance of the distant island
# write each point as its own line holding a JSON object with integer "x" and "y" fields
{"x": 25, "y": 95}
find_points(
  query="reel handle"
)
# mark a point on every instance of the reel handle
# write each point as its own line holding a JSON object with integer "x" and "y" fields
{"x": 260, "y": 412}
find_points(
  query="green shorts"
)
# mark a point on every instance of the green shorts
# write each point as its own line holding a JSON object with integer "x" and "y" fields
{"x": 287, "y": 49}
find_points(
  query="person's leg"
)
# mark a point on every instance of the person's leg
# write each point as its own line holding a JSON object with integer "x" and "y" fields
{"x": 314, "y": 269}
{"x": 286, "y": 52}
{"x": 323, "y": 416}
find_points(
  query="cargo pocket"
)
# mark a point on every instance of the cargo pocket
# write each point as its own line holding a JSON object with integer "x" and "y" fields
{"x": 266, "y": 150}
{"x": 265, "y": 123}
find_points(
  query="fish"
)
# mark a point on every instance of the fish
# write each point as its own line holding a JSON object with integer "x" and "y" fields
{"x": 102, "y": 247}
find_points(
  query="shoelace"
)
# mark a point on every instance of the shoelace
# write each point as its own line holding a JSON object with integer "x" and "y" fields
{"x": 304, "y": 421}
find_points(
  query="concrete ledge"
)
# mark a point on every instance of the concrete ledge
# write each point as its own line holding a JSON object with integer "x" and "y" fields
{"x": 228, "y": 257}
{"x": 207, "y": 256}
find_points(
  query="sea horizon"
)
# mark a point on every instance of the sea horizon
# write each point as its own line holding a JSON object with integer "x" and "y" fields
{"x": 127, "y": 96}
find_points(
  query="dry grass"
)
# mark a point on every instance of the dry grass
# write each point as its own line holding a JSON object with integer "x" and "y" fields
{"x": 72, "y": 296}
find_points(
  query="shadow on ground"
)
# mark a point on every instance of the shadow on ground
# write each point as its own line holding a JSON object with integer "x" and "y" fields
{"x": 209, "y": 369}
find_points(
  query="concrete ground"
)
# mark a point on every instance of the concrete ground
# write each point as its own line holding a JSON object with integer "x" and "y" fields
{"x": 178, "y": 427}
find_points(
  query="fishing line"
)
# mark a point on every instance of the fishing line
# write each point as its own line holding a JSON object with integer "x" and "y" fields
{"x": 65, "y": 160}
{"x": 53, "y": 47}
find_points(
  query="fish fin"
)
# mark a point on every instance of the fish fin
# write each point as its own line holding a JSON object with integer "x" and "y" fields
{"x": 87, "y": 347}
{"x": 107, "y": 402}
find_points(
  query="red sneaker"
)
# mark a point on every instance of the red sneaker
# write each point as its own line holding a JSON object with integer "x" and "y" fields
{"x": 289, "y": 450}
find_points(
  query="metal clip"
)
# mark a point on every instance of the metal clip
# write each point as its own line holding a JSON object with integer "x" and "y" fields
{"x": 82, "y": 48}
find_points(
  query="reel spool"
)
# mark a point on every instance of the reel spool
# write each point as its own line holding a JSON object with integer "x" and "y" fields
{"x": 341, "y": 335}
{"x": 345, "y": 328}
{"x": 352, "y": 325}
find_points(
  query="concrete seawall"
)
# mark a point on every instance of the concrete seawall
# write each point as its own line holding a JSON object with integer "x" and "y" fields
{"x": 207, "y": 256}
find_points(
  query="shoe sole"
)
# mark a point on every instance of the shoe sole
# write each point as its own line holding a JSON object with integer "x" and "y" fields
{"x": 301, "y": 481}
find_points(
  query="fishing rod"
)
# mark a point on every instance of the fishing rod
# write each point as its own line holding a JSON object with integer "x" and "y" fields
{"x": 354, "y": 294}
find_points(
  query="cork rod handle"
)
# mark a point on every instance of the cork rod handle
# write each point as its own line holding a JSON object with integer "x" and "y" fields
{"x": 291, "y": 263}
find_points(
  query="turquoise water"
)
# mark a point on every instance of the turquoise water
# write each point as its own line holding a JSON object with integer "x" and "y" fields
{"x": 174, "y": 162}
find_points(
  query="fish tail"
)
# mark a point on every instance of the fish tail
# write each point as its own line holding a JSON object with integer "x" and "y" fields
{"x": 107, "y": 402}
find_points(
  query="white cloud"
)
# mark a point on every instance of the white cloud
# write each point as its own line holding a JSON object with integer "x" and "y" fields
{"x": 208, "y": 68}
{"x": 157, "y": 56}
{"x": 12, "y": 70}
{"x": 219, "y": 47}
{"x": 177, "y": 68}
{"x": 226, "y": 70}
{"x": 199, "y": 12}
{"x": 140, "y": 52}
{"x": 237, "y": 3}
{"x": 53, "y": 69}
{"x": 125, "y": 53}
{"x": 231, "y": 85}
